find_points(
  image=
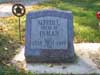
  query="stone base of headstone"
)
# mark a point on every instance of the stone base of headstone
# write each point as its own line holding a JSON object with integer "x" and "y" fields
{"x": 83, "y": 64}
{"x": 51, "y": 56}
{"x": 79, "y": 67}
{"x": 50, "y": 60}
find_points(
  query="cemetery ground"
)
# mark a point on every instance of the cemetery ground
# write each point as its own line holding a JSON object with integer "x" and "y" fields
{"x": 85, "y": 28}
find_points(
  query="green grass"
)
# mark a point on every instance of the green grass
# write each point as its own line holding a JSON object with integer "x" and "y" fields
{"x": 10, "y": 70}
{"x": 85, "y": 28}
{"x": 85, "y": 22}
{"x": 9, "y": 42}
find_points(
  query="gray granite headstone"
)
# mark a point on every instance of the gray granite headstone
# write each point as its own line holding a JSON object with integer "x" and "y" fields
{"x": 49, "y": 36}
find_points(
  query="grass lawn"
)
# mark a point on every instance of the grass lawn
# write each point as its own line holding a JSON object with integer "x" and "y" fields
{"x": 85, "y": 27}
{"x": 85, "y": 22}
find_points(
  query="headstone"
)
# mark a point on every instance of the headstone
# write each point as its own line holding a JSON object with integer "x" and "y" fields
{"x": 49, "y": 36}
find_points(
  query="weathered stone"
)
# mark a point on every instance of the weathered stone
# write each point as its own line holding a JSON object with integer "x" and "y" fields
{"x": 49, "y": 36}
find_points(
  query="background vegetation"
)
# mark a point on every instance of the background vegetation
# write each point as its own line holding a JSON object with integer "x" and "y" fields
{"x": 85, "y": 28}
{"x": 85, "y": 22}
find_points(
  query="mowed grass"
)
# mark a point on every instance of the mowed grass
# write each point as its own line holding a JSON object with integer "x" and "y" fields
{"x": 84, "y": 19}
{"x": 85, "y": 22}
{"x": 9, "y": 34}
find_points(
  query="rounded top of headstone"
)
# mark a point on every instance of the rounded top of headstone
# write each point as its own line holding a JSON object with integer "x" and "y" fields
{"x": 52, "y": 9}
{"x": 50, "y": 12}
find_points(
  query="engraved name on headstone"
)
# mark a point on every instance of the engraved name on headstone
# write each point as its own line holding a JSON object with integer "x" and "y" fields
{"x": 49, "y": 36}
